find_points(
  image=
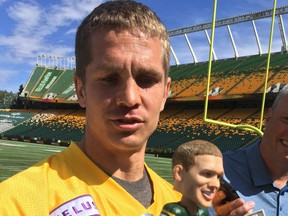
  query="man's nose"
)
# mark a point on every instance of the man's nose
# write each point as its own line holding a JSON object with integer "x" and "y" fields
{"x": 128, "y": 94}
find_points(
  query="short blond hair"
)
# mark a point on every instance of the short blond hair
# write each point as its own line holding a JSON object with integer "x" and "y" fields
{"x": 119, "y": 16}
{"x": 186, "y": 152}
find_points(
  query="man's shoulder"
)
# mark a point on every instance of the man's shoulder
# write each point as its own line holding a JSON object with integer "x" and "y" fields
{"x": 235, "y": 162}
{"x": 240, "y": 154}
{"x": 29, "y": 175}
{"x": 27, "y": 187}
{"x": 162, "y": 188}
{"x": 234, "y": 155}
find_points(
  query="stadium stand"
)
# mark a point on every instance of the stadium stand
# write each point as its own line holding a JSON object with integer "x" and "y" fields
{"x": 182, "y": 119}
{"x": 51, "y": 85}
{"x": 240, "y": 76}
{"x": 188, "y": 124}
{"x": 230, "y": 77}
{"x": 11, "y": 119}
{"x": 51, "y": 126}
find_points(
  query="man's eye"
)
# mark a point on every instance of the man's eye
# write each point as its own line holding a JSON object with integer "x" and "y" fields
{"x": 109, "y": 80}
{"x": 146, "y": 82}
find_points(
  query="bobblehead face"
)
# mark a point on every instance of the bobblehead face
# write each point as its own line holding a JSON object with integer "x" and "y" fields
{"x": 200, "y": 183}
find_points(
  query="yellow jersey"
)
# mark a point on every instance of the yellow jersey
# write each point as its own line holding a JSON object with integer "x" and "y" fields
{"x": 69, "y": 183}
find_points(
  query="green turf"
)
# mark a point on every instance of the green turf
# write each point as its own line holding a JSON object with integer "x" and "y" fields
{"x": 17, "y": 156}
{"x": 162, "y": 166}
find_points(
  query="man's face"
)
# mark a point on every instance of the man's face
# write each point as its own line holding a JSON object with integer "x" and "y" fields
{"x": 275, "y": 137}
{"x": 124, "y": 91}
{"x": 201, "y": 182}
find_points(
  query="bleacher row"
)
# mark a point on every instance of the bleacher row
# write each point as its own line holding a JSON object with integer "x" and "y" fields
{"x": 51, "y": 84}
{"x": 52, "y": 127}
{"x": 10, "y": 119}
{"x": 244, "y": 75}
{"x": 176, "y": 126}
{"x": 187, "y": 124}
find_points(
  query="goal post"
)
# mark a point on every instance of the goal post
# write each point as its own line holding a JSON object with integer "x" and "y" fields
{"x": 248, "y": 127}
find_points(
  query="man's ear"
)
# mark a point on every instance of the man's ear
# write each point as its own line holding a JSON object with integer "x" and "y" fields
{"x": 166, "y": 93}
{"x": 80, "y": 91}
{"x": 178, "y": 172}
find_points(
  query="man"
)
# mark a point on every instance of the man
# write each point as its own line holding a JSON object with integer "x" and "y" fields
{"x": 122, "y": 61}
{"x": 197, "y": 168}
{"x": 259, "y": 173}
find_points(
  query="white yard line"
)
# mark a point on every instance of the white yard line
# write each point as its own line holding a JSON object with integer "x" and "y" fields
{"x": 52, "y": 150}
{"x": 14, "y": 145}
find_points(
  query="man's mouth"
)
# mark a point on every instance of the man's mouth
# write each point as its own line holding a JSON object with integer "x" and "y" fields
{"x": 129, "y": 124}
{"x": 128, "y": 121}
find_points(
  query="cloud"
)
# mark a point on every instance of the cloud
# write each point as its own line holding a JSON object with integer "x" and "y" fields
{"x": 71, "y": 31}
{"x": 26, "y": 16}
{"x": 37, "y": 27}
{"x": 2, "y": 1}
{"x": 34, "y": 26}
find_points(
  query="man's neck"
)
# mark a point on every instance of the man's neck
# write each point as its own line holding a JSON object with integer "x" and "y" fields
{"x": 125, "y": 165}
{"x": 282, "y": 182}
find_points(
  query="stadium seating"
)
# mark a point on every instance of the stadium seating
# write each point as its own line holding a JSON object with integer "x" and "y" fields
{"x": 178, "y": 122}
{"x": 9, "y": 119}
{"x": 245, "y": 75}
{"x": 177, "y": 125}
{"x": 51, "y": 126}
{"x": 188, "y": 125}
{"x": 51, "y": 85}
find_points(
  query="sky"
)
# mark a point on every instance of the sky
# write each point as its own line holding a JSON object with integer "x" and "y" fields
{"x": 29, "y": 28}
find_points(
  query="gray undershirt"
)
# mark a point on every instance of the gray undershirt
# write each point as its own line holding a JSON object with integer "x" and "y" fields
{"x": 141, "y": 190}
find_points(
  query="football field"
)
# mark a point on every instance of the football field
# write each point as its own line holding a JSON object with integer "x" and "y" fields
{"x": 17, "y": 156}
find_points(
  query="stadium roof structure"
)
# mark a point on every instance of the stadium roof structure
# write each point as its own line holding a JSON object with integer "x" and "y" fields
{"x": 231, "y": 21}
{"x": 51, "y": 85}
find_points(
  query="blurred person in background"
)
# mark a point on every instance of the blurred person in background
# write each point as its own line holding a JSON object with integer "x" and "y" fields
{"x": 259, "y": 173}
